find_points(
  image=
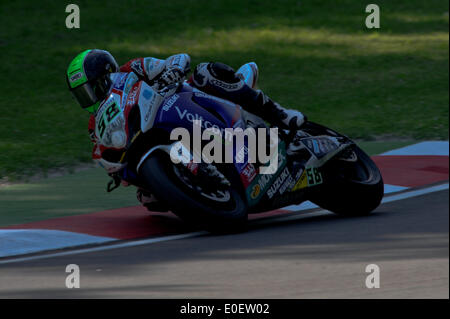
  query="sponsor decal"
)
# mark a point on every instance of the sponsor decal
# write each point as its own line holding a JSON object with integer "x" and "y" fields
{"x": 195, "y": 117}
{"x": 121, "y": 81}
{"x": 301, "y": 183}
{"x": 132, "y": 96}
{"x": 241, "y": 158}
{"x": 248, "y": 174}
{"x": 264, "y": 180}
{"x": 287, "y": 184}
{"x": 296, "y": 178}
{"x": 151, "y": 101}
{"x": 256, "y": 190}
{"x": 241, "y": 155}
{"x": 168, "y": 104}
{"x": 146, "y": 95}
{"x": 278, "y": 183}
{"x": 319, "y": 146}
{"x": 131, "y": 80}
{"x": 76, "y": 77}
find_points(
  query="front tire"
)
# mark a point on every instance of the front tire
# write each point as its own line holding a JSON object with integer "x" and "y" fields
{"x": 350, "y": 188}
{"x": 186, "y": 203}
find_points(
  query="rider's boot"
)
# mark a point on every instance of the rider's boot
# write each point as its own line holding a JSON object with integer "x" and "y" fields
{"x": 275, "y": 113}
{"x": 249, "y": 74}
{"x": 239, "y": 87}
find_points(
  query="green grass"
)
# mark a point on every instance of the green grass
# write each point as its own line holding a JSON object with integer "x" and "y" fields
{"x": 74, "y": 194}
{"x": 313, "y": 55}
{"x": 85, "y": 192}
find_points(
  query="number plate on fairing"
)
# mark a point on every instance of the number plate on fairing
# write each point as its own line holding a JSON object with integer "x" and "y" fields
{"x": 310, "y": 177}
{"x": 110, "y": 119}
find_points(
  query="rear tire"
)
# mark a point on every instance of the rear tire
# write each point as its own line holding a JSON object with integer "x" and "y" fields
{"x": 350, "y": 188}
{"x": 191, "y": 207}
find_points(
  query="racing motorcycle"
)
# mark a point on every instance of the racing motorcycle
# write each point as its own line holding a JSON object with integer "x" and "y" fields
{"x": 136, "y": 121}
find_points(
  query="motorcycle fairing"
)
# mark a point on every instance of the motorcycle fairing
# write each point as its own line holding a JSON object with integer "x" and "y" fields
{"x": 322, "y": 149}
{"x": 187, "y": 104}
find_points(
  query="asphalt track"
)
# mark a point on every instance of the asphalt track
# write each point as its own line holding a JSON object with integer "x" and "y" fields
{"x": 313, "y": 257}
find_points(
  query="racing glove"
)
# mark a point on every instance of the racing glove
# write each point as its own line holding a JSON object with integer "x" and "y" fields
{"x": 171, "y": 76}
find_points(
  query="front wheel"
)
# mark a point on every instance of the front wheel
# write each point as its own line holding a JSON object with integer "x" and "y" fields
{"x": 217, "y": 210}
{"x": 353, "y": 185}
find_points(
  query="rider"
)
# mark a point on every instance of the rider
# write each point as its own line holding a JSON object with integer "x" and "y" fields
{"x": 90, "y": 77}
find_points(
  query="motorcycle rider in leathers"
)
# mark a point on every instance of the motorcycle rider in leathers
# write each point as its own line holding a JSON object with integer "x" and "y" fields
{"x": 90, "y": 74}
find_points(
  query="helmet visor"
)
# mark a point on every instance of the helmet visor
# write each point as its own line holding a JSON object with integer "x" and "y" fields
{"x": 85, "y": 95}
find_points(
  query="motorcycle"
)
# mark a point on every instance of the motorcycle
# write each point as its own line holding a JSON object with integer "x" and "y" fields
{"x": 136, "y": 121}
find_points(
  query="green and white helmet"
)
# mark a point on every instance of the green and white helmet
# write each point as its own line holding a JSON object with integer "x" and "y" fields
{"x": 88, "y": 77}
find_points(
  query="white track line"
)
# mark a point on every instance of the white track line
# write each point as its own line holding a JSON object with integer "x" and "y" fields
{"x": 107, "y": 247}
{"x": 415, "y": 193}
{"x": 388, "y": 199}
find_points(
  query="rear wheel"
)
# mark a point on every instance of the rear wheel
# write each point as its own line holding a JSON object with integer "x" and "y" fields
{"x": 353, "y": 184}
{"x": 213, "y": 208}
